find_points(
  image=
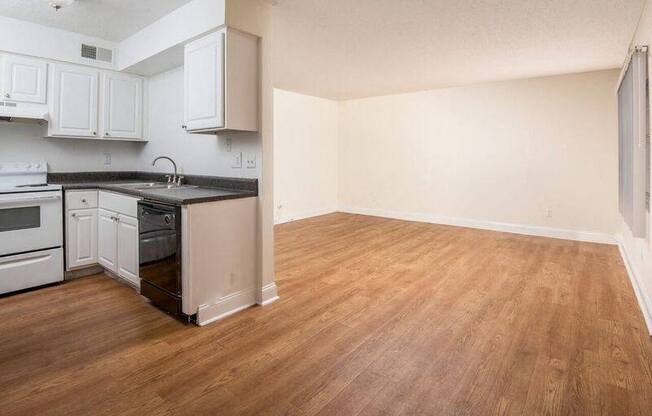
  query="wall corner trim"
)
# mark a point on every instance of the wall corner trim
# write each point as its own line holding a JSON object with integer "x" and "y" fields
{"x": 226, "y": 306}
{"x": 644, "y": 303}
{"x": 282, "y": 219}
{"x": 268, "y": 294}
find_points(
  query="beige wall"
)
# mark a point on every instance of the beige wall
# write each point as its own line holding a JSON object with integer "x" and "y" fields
{"x": 508, "y": 152}
{"x": 305, "y": 156}
{"x": 255, "y": 16}
{"x": 638, "y": 251}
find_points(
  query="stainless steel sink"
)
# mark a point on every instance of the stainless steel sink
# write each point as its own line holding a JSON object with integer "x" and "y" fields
{"x": 155, "y": 185}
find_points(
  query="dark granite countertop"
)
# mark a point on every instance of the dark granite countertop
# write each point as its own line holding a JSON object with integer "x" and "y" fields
{"x": 205, "y": 188}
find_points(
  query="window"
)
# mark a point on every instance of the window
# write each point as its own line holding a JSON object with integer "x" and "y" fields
{"x": 12, "y": 219}
{"x": 633, "y": 144}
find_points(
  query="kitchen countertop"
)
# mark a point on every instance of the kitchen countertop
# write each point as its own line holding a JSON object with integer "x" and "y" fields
{"x": 207, "y": 188}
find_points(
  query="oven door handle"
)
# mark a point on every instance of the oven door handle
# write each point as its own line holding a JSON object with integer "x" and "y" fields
{"x": 24, "y": 260}
{"x": 5, "y": 200}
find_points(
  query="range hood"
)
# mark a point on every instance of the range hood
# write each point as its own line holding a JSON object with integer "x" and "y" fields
{"x": 12, "y": 112}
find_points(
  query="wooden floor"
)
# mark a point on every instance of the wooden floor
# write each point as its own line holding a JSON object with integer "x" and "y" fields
{"x": 376, "y": 317}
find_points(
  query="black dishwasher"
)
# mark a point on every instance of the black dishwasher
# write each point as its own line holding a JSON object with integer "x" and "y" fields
{"x": 159, "y": 248}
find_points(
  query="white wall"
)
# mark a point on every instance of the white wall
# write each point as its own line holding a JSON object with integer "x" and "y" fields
{"x": 493, "y": 153}
{"x": 637, "y": 252}
{"x": 25, "y": 143}
{"x": 176, "y": 28}
{"x": 201, "y": 154}
{"x": 305, "y": 156}
{"x": 26, "y": 38}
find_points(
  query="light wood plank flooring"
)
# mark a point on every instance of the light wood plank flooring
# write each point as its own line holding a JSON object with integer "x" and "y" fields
{"x": 376, "y": 317}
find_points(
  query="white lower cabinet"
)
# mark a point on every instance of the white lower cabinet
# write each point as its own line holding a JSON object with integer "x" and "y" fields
{"x": 118, "y": 244}
{"x": 81, "y": 235}
{"x": 107, "y": 235}
{"x": 107, "y": 240}
{"x": 128, "y": 248}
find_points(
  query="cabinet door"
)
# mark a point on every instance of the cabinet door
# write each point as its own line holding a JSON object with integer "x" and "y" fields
{"x": 107, "y": 240}
{"x": 123, "y": 106}
{"x": 204, "y": 82}
{"x": 75, "y": 102}
{"x": 128, "y": 264}
{"x": 24, "y": 79}
{"x": 81, "y": 237}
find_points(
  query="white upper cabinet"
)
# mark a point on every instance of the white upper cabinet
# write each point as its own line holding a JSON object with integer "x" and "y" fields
{"x": 74, "y": 104}
{"x": 221, "y": 82}
{"x": 204, "y": 83}
{"x": 122, "y": 113}
{"x": 24, "y": 80}
{"x": 76, "y": 101}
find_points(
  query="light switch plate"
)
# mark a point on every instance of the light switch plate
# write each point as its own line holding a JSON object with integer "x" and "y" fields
{"x": 237, "y": 160}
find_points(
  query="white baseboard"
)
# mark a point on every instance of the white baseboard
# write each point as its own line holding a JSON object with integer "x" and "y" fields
{"x": 282, "y": 219}
{"x": 644, "y": 302}
{"x": 268, "y": 294}
{"x": 588, "y": 236}
{"x": 228, "y": 305}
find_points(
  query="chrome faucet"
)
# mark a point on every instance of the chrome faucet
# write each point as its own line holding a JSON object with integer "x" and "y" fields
{"x": 174, "y": 179}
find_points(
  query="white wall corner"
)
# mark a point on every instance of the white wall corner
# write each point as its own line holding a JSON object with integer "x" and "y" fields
{"x": 179, "y": 26}
{"x": 644, "y": 302}
{"x": 268, "y": 294}
{"x": 40, "y": 41}
{"x": 283, "y": 218}
{"x": 564, "y": 234}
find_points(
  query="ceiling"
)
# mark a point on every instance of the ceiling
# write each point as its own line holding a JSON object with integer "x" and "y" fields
{"x": 113, "y": 20}
{"x": 344, "y": 49}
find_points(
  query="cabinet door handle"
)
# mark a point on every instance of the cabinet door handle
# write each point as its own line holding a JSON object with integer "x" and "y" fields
{"x": 94, "y": 133}
{"x": 107, "y": 134}
{"x": 7, "y": 95}
{"x": 73, "y": 215}
{"x": 83, "y": 200}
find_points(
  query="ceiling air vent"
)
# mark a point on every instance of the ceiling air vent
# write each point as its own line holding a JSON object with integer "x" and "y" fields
{"x": 96, "y": 54}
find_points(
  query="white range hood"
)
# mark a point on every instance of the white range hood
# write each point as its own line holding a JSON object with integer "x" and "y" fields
{"x": 14, "y": 112}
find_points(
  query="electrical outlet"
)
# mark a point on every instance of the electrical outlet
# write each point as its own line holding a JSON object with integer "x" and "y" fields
{"x": 228, "y": 144}
{"x": 107, "y": 158}
{"x": 548, "y": 213}
{"x": 237, "y": 160}
{"x": 251, "y": 161}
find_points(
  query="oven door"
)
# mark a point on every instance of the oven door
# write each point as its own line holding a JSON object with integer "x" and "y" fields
{"x": 22, "y": 271}
{"x": 30, "y": 221}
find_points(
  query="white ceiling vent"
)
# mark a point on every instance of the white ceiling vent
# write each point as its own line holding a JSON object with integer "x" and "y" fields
{"x": 96, "y": 54}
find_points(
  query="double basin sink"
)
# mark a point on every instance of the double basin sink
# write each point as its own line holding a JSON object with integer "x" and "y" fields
{"x": 146, "y": 186}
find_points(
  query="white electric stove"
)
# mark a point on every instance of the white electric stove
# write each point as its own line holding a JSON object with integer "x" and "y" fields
{"x": 31, "y": 227}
